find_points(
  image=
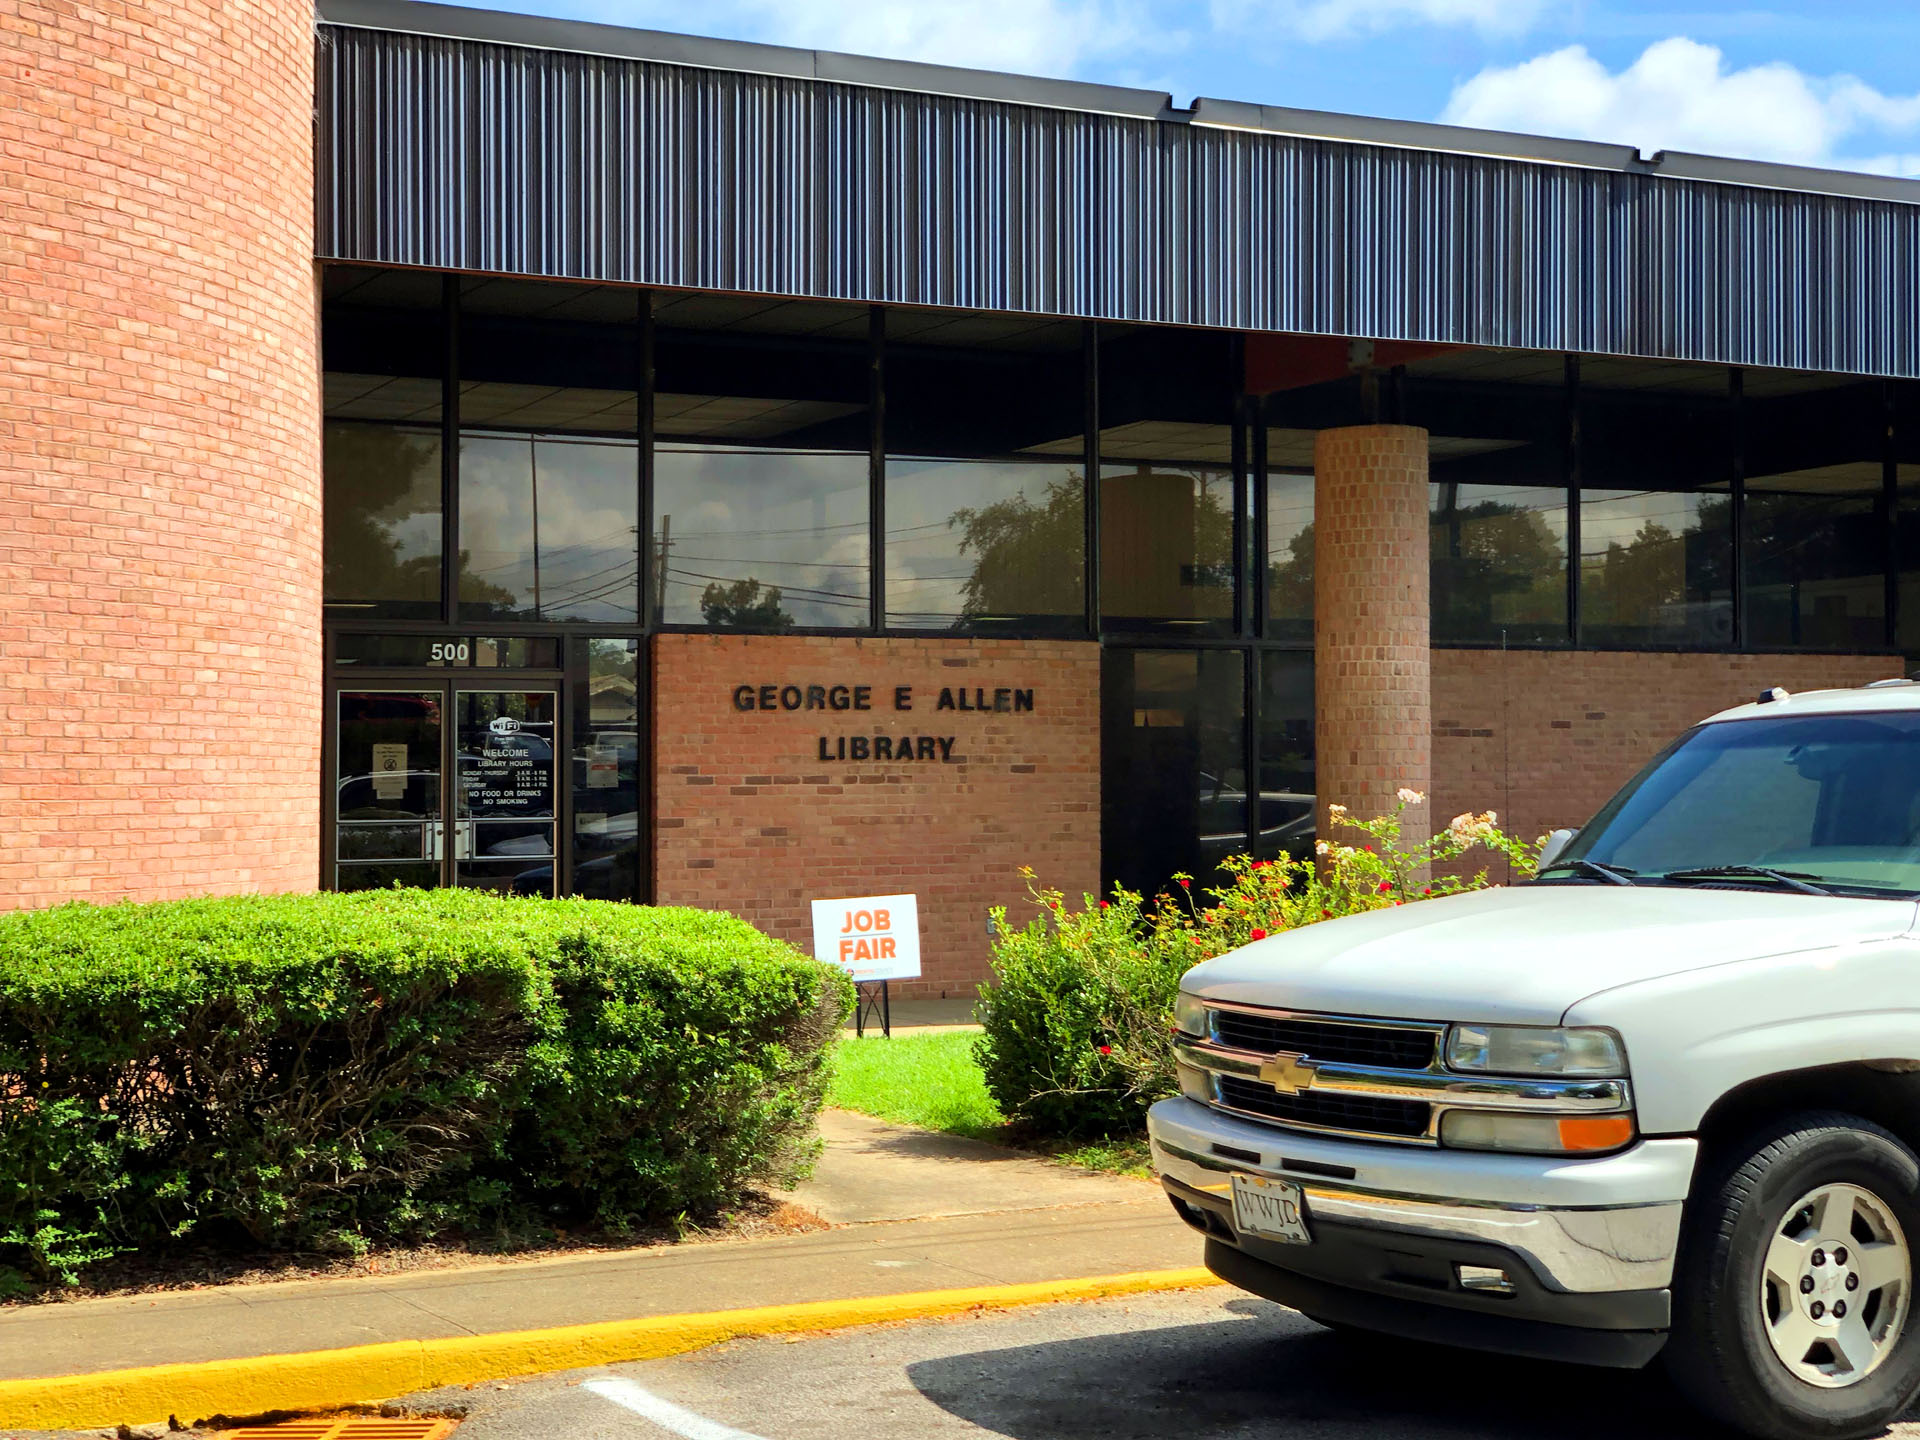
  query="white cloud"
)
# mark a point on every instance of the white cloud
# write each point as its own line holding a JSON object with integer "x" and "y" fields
{"x": 1340, "y": 19}
{"x": 1680, "y": 95}
{"x": 1048, "y": 37}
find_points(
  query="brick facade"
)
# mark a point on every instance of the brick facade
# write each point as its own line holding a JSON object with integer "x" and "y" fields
{"x": 1371, "y": 682}
{"x": 159, "y": 450}
{"x": 1546, "y": 737}
{"x": 749, "y": 818}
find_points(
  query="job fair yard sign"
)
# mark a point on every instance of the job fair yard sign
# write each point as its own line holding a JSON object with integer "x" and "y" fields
{"x": 872, "y": 938}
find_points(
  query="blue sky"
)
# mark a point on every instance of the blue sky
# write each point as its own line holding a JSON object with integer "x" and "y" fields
{"x": 1830, "y": 83}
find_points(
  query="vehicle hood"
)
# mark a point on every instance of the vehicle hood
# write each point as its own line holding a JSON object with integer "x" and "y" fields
{"x": 1526, "y": 953}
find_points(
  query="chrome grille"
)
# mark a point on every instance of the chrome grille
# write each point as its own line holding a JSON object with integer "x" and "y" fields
{"x": 1385, "y": 1046}
{"x": 1402, "y": 1119}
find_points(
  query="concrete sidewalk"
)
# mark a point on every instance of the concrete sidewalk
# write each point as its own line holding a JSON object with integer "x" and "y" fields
{"x": 982, "y": 1215}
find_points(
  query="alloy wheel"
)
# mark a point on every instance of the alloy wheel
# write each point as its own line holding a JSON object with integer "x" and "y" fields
{"x": 1835, "y": 1289}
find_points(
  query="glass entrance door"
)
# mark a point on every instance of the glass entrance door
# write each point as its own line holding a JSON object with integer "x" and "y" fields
{"x": 506, "y": 792}
{"x": 396, "y": 822}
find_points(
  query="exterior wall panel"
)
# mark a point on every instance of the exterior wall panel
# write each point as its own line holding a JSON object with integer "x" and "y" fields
{"x": 469, "y": 155}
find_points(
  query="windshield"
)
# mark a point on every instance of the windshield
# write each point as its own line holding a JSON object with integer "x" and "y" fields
{"x": 1832, "y": 799}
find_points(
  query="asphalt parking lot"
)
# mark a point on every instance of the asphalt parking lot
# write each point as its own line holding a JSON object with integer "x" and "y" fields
{"x": 1200, "y": 1365}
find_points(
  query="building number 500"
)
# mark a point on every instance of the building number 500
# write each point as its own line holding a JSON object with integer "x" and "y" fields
{"x": 449, "y": 654}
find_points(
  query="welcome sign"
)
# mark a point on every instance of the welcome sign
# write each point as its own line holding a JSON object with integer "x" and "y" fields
{"x": 872, "y": 938}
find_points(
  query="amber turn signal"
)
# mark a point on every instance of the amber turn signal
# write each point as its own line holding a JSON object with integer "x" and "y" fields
{"x": 1595, "y": 1132}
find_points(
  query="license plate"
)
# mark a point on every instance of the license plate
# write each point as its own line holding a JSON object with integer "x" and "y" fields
{"x": 1271, "y": 1209}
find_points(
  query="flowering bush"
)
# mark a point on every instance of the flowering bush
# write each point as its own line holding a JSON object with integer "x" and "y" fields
{"x": 1076, "y": 1019}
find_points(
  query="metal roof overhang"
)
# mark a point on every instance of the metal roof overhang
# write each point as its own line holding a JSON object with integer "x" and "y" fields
{"x": 461, "y": 139}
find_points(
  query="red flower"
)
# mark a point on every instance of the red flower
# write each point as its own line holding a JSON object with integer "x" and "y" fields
{"x": 1261, "y": 864}
{"x": 1328, "y": 914}
{"x": 1103, "y": 904}
{"x": 1257, "y": 934}
{"x": 1386, "y": 886}
{"x": 1427, "y": 891}
{"x": 1186, "y": 884}
{"x": 1106, "y": 1049}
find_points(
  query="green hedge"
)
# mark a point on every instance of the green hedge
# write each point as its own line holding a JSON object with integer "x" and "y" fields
{"x": 322, "y": 1071}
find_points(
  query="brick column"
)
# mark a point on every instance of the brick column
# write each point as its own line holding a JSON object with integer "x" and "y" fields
{"x": 1372, "y": 689}
{"x": 159, "y": 450}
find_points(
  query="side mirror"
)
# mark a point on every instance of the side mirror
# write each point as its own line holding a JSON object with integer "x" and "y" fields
{"x": 1555, "y": 847}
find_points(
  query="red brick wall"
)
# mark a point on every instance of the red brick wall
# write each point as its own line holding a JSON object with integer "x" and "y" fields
{"x": 748, "y": 818}
{"x": 159, "y": 450}
{"x": 1371, "y": 682}
{"x": 1546, "y": 737}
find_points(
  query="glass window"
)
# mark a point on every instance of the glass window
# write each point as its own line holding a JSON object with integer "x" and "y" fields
{"x": 1816, "y": 553}
{"x": 1655, "y": 567}
{"x": 1499, "y": 562}
{"x": 1166, "y": 481}
{"x": 385, "y": 342}
{"x": 1173, "y": 764}
{"x": 1166, "y": 543}
{"x": 761, "y": 514}
{"x": 1816, "y": 573}
{"x": 1290, "y": 556}
{"x": 1656, "y": 513}
{"x": 1286, "y": 818}
{"x": 986, "y": 488}
{"x": 549, "y": 528}
{"x": 383, "y": 519}
{"x": 609, "y": 772}
{"x": 549, "y": 451}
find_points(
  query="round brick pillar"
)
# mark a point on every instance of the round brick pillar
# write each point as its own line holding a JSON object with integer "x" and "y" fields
{"x": 159, "y": 450}
{"x": 1373, "y": 702}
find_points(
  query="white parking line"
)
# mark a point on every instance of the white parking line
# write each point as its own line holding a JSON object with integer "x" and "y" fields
{"x": 664, "y": 1413}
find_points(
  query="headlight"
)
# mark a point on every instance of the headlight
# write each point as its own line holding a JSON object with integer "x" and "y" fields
{"x": 1190, "y": 1015}
{"x": 1534, "y": 1134}
{"x": 1534, "y": 1050}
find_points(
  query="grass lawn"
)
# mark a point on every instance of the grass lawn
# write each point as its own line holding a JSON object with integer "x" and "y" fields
{"x": 931, "y": 1080}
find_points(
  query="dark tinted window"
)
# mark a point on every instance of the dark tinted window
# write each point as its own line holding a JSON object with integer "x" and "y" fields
{"x": 1290, "y": 555}
{"x": 761, "y": 515}
{"x": 549, "y": 527}
{"x": 1656, "y": 519}
{"x": 1815, "y": 543}
{"x": 1167, "y": 506}
{"x": 1285, "y": 818}
{"x": 549, "y": 452}
{"x": 385, "y": 361}
{"x": 609, "y": 772}
{"x": 986, "y": 487}
{"x": 1499, "y": 561}
{"x": 1173, "y": 764}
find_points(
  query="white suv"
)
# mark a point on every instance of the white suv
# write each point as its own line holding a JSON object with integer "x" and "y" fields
{"x": 1661, "y": 1101}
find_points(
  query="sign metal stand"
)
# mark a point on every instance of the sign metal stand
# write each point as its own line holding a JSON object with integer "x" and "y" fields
{"x": 872, "y": 1001}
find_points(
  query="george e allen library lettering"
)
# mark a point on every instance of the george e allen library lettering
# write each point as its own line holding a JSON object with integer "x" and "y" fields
{"x": 457, "y": 448}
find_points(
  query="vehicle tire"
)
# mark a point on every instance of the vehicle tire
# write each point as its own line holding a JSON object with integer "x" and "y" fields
{"x": 1792, "y": 1300}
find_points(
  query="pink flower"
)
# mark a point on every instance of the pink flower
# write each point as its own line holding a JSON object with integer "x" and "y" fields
{"x": 1257, "y": 934}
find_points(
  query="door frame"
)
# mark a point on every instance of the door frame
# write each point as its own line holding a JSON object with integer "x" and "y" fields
{"x": 449, "y": 681}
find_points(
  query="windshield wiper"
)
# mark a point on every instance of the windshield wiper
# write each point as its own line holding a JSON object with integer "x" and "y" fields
{"x": 1792, "y": 879}
{"x": 1612, "y": 874}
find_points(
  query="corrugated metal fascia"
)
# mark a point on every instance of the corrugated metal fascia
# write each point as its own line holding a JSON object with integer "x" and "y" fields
{"x": 475, "y": 156}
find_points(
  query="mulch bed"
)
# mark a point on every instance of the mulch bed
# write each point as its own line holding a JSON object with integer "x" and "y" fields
{"x": 197, "y": 1268}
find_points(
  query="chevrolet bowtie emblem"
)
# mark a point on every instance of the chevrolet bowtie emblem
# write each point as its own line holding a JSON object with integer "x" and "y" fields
{"x": 1289, "y": 1074}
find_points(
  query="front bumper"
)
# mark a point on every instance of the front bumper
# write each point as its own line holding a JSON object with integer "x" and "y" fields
{"x": 1589, "y": 1244}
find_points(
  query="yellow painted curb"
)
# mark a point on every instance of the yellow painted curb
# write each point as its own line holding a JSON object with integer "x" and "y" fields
{"x": 363, "y": 1373}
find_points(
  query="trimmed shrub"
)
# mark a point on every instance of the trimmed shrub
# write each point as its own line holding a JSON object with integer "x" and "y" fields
{"x": 322, "y": 1071}
{"x": 1077, "y": 1016}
